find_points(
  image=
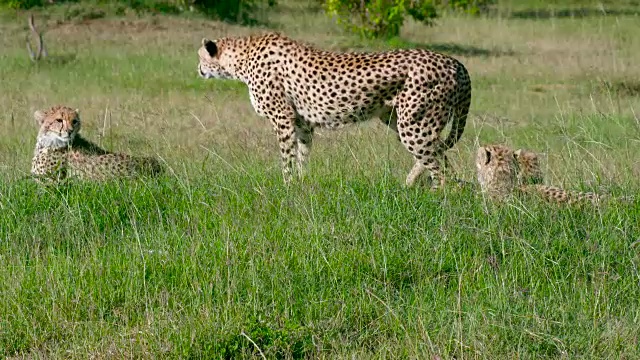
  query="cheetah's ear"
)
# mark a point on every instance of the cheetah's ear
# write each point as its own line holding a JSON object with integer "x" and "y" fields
{"x": 517, "y": 153}
{"x": 210, "y": 46}
{"x": 39, "y": 116}
{"x": 488, "y": 154}
{"x": 483, "y": 155}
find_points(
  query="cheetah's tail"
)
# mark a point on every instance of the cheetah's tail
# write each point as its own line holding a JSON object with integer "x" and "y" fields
{"x": 150, "y": 166}
{"x": 459, "y": 121}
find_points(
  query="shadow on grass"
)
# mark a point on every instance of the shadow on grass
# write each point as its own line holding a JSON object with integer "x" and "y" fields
{"x": 57, "y": 60}
{"x": 445, "y": 48}
{"x": 572, "y": 13}
{"x": 451, "y": 48}
{"x": 626, "y": 88}
{"x": 464, "y": 50}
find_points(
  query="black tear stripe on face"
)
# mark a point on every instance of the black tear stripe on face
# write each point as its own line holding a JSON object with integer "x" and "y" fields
{"x": 211, "y": 48}
{"x": 488, "y": 157}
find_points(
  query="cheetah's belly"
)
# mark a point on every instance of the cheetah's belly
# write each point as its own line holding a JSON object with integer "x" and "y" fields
{"x": 337, "y": 119}
{"x": 333, "y": 104}
{"x": 337, "y": 116}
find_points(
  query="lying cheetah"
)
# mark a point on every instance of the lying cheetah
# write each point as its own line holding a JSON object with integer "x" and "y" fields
{"x": 299, "y": 88}
{"x": 497, "y": 171}
{"x": 61, "y": 152}
{"x": 502, "y": 172}
{"x": 529, "y": 170}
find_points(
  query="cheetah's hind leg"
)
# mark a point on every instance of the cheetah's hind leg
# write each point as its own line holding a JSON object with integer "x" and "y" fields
{"x": 428, "y": 151}
{"x": 304, "y": 140}
{"x": 437, "y": 163}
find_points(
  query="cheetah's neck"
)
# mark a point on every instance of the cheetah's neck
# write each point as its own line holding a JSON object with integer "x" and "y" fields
{"x": 78, "y": 143}
{"x": 52, "y": 142}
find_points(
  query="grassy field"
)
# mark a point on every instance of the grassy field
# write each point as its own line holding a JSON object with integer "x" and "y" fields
{"x": 218, "y": 259}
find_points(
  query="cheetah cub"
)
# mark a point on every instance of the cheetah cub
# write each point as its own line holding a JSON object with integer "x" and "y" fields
{"x": 503, "y": 172}
{"x": 497, "y": 171}
{"x": 61, "y": 152}
{"x": 529, "y": 169}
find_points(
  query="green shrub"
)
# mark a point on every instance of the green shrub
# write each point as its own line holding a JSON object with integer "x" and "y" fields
{"x": 239, "y": 11}
{"x": 383, "y": 18}
{"x": 21, "y": 4}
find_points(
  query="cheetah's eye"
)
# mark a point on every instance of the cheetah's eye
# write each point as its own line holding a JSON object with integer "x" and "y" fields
{"x": 59, "y": 120}
{"x": 488, "y": 157}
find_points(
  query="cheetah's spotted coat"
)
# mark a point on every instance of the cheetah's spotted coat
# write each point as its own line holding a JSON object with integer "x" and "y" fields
{"x": 299, "y": 88}
{"x": 502, "y": 172}
{"x": 61, "y": 152}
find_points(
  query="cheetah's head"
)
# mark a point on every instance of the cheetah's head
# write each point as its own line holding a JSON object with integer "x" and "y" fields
{"x": 58, "y": 126}
{"x": 214, "y": 61}
{"x": 530, "y": 171}
{"x": 496, "y": 169}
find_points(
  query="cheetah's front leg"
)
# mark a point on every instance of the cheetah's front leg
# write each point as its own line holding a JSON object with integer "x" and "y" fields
{"x": 284, "y": 125}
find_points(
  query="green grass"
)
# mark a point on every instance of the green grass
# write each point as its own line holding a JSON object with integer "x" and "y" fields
{"x": 181, "y": 268}
{"x": 218, "y": 259}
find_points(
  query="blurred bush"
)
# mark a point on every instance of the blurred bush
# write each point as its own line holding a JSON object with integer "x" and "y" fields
{"x": 383, "y": 18}
{"x": 369, "y": 18}
{"x": 238, "y": 11}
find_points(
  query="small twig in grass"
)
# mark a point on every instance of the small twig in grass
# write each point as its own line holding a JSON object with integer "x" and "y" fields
{"x": 104, "y": 122}
{"x": 223, "y": 160}
{"x": 198, "y": 119}
{"x": 600, "y": 164}
{"x": 635, "y": 117}
{"x": 41, "y": 50}
{"x": 144, "y": 260}
{"x": 254, "y": 344}
{"x": 214, "y": 108}
{"x": 428, "y": 339}
{"x": 390, "y": 311}
{"x": 353, "y": 154}
{"x": 459, "y": 311}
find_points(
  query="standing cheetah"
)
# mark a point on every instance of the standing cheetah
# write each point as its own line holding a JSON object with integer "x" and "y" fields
{"x": 298, "y": 88}
{"x": 502, "y": 172}
{"x": 61, "y": 152}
